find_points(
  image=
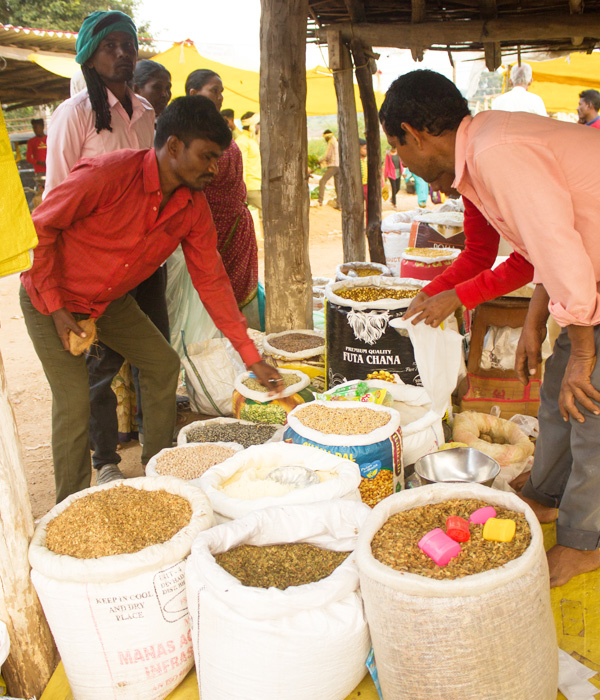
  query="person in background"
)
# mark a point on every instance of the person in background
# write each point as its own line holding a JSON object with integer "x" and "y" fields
{"x": 519, "y": 99}
{"x": 36, "y": 147}
{"x": 103, "y": 117}
{"x": 250, "y": 150}
{"x": 392, "y": 170}
{"x": 226, "y": 196}
{"x": 229, "y": 116}
{"x": 588, "y": 107}
{"x": 331, "y": 161}
{"x": 107, "y": 227}
{"x": 152, "y": 81}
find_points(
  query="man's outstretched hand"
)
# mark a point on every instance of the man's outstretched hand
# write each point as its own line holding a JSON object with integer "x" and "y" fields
{"x": 432, "y": 310}
{"x": 269, "y": 377}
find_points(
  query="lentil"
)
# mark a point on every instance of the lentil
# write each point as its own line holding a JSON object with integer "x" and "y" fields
{"x": 376, "y": 293}
{"x": 382, "y": 375}
{"x": 430, "y": 252}
{"x": 374, "y": 490}
{"x": 191, "y": 462}
{"x": 280, "y": 565}
{"x": 363, "y": 271}
{"x": 296, "y": 342}
{"x": 353, "y": 421}
{"x": 245, "y": 435}
{"x": 395, "y": 544}
{"x": 255, "y": 385}
{"x": 120, "y": 520}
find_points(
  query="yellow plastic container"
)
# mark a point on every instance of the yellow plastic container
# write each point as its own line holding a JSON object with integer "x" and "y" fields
{"x": 499, "y": 530}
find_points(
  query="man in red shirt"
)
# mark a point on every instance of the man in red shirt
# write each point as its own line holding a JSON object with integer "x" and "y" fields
{"x": 102, "y": 231}
{"x": 36, "y": 147}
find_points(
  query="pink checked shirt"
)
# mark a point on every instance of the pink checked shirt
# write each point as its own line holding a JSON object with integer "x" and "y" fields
{"x": 72, "y": 134}
{"x": 537, "y": 181}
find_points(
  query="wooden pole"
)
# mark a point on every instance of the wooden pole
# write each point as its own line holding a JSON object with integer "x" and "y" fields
{"x": 364, "y": 77}
{"x": 350, "y": 180}
{"x": 32, "y": 658}
{"x": 284, "y": 153}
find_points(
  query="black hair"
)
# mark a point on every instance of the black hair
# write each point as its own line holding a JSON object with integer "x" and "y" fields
{"x": 246, "y": 115}
{"x": 227, "y": 113}
{"x": 189, "y": 118}
{"x": 327, "y": 131}
{"x": 362, "y": 142}
{"x": 197, "y": 79}
{"x": 37, "y": 121}
{"x": 592, "y": 97}
{"x": 424, "y": 99}
{"x": 145, "y": 70}
{"x": 96, "y": 88}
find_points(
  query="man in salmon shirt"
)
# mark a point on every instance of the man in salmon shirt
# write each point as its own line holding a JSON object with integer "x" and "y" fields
{"x": 113, "y": 221}
{"x": 536, "y": 181}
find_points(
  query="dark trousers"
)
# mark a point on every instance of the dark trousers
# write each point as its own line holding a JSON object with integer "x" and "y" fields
{"x": 395, "y": 187}
{"x": 103, "y": 365}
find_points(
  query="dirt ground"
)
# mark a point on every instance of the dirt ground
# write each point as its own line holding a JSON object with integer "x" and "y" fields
{"x": 29, "y": 391}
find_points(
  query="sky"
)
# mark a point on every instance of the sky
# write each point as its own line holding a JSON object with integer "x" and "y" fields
{"x": 228, "y": 31}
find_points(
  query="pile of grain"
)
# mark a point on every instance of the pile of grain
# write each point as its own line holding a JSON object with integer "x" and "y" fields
{"x": 395, "y": 544}
{"x": 296, "y": 342}
{"x": 374, "y": 490}
{"x": 430, "y": 252}
{"x": 120, "y": 520}
{"x": 245, "y": 435}
{"x": 191, "y": 462}
{"x": 280, "y": 565}
{"x": 288, "y": 379}
{"x": 352, "y": 421}
{"x": 376, "y": 293}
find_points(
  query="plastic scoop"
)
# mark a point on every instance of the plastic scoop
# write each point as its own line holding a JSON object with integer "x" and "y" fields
{"x": 296, "y": 476}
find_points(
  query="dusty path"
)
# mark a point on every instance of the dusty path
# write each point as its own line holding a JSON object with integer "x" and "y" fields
{"x": 29, "y": 390}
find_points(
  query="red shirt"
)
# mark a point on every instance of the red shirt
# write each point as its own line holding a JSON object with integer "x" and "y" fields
{"x": 36, "y": 152}
{"x": 595, "y": 123}
{"x": 101, "y": 234}
{"x": 471, "y": 274}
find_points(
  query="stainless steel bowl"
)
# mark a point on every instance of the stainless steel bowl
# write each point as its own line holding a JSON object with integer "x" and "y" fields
{"x": 458, "y": 464}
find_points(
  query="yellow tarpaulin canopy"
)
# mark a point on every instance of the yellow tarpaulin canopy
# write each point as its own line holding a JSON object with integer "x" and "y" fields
{"x": 61, "y": 65}
{"x": 242, "y": 87}
{"x": 559, "y": 82}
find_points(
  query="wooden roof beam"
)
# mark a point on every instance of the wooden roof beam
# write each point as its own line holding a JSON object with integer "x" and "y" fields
{"x": 418, "y": 13}
{"x": 492, "y": 49}
{"x": 356, "y": 10}
{"x": 510, "y": 29}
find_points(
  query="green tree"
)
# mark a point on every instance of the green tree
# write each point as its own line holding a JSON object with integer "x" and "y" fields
{"x": 61, "y": 15}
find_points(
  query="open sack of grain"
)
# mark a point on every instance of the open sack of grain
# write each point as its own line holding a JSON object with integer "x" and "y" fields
{"x": 308, "y": 641}
{"x": 243, "y": 432}
{"x": 483, "y": 635}
{"x": 367, "y": 434}
{"x": 360, "y": 339}
{"x": 108, "y": 565}
{"x": 251, "y": 402}
{"x": 246, "y": 482}
{"x": 302, "y": 350}
{"x": 353, "y": 270}
{"x": 190, "y": 461}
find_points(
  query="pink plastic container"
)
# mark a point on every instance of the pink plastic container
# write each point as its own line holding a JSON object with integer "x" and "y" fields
{"x": 438, "y": 546}
{"x": 482, "y": 515}
{"x": 457, "y": 529}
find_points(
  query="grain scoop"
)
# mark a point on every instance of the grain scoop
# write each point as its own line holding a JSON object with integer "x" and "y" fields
{"x": 296, "y": 476}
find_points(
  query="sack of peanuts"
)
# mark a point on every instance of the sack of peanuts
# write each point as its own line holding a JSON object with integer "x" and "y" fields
{"x": 465, "y": 636}
{"x": 366, "y": 434}
{"x": 190, "y": 461}
{"x": 108, "y": 565}
{"x": 277, "y": 474}
{"x": 360, "y": 339}
{"x": 353, "y": 270}
{"x": 250, "y": 400}
{"x": 294, "y": 621}
{"x": 301, "y": 350}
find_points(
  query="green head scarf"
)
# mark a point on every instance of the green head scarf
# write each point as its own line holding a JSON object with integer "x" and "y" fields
{"x": 88, "y": 40}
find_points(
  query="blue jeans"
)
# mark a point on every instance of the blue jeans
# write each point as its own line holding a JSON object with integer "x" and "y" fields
{"x": 103, "y": 365}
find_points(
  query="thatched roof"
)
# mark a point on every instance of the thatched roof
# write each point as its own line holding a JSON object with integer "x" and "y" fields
{"x": 491, "y": 26}
{"x": 23, "y": 82}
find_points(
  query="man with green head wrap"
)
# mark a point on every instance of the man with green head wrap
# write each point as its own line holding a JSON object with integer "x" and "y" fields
{"x": 106, "y": 116}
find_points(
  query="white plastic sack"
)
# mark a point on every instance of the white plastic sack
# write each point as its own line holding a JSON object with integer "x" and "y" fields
{"x": 280, "y": 454}
{"x": 306, "y": 642}
{"x": 182, "y": 437}
{"x": 490, "y": 635}
{"x": 399, "y": 222}
{"x": 346, "y": 271}
{"x": 151, "y": 466}
{"x": 394, "y": 245}
{"x": 210, "y": 374}
{"x": 121, "y": 623}
{"x": 261, "y": 397}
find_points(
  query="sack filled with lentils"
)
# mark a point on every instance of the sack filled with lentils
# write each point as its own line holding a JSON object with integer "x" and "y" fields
{"x": 108, "y": 565}
{"x": 475, "y": 624}
{"x": 189, "y": 462}
{"x": 251, "y": 401}
{"x": 367, "y": 434}
{"x": 278, "y": 592}
{"x": 243, "y": 432}
{"x": 302, "y": 350}
{"x": 278, "y": 474}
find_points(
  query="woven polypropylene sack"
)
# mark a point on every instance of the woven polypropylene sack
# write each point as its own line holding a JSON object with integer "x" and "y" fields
{"x": 121, "y": 623}
{"x": 489, "y": 636}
